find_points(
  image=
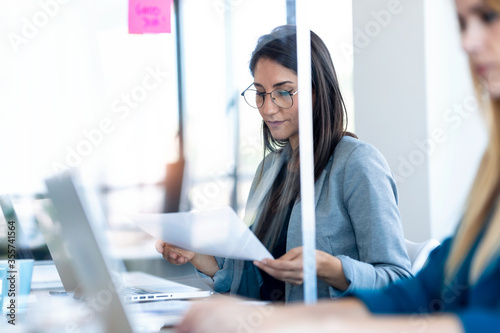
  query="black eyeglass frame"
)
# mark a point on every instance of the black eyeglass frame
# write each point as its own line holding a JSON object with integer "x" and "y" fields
{"x": 264, "y": 97}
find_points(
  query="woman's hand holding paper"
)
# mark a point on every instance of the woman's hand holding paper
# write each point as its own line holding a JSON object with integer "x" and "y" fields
{"x": 289, "y": 268}
{"x": 173, "y": 254}
{"x": 177, "y": 256}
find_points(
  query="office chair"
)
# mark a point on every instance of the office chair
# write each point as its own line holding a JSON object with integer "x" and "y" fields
{"x": 418, "y": 253}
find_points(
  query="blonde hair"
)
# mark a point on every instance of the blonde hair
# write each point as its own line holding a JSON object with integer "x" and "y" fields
{"x": 481, "y": 202}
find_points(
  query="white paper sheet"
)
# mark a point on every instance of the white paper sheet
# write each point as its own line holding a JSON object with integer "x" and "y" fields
{"x": 218, "y": 232}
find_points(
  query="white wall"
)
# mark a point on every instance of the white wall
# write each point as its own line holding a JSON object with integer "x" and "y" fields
{"x": 408, "y": 74}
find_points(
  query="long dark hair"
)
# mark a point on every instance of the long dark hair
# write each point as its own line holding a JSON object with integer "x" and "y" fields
{"x": 329, "y": 121}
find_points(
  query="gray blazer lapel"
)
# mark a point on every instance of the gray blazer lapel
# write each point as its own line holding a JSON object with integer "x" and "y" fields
{"x": 319, "y": 184}
{"x": 255, "y": 198}
{"x": 294, "y": 238}
{"x": 237, "y": 273}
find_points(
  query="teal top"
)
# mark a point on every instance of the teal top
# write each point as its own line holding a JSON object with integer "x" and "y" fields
{"x": 477, "y": 306}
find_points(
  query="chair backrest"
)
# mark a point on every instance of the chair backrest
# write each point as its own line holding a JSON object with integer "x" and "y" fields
{"x": 418, "y": 253}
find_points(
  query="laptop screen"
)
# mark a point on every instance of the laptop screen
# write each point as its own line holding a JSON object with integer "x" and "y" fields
{"x": 30, "y": 243}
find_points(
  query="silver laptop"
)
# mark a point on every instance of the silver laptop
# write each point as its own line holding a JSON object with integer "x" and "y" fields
{"x": 72, "y": 232}
{"x": 45, "y": 216}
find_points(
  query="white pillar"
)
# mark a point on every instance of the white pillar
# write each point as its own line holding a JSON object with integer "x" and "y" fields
{"x": 414, "y": 102}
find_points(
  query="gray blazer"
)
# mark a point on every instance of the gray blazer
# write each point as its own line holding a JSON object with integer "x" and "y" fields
{"x": 357, "y": 220}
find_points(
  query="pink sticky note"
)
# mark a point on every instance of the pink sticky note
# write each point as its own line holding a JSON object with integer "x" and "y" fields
{"x": 149, "y": 16}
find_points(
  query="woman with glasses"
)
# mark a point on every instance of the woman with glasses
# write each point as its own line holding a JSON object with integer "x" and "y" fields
{"x": 359, "y": 241}
{"x": 459, "y": 288}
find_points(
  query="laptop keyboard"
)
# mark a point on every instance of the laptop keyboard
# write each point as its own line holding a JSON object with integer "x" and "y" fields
{"x": 138, "y": 291}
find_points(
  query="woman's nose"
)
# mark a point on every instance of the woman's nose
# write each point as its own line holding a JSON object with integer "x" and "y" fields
{"x": 269, "y": 107}
{"x": 473, "y": 38}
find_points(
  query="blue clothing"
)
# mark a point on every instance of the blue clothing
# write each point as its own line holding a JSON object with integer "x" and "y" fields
{"x": 477, "y": 306}
{"x": 357, "y": 220}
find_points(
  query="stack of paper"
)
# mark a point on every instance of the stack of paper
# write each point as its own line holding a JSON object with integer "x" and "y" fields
{"x": 218, "y": 232}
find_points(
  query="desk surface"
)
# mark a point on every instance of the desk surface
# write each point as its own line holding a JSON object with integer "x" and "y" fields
{"x": 45, "y": 312}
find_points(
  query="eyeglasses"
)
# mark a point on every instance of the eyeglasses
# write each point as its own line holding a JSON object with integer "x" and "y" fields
{"x": 282, "y": 98}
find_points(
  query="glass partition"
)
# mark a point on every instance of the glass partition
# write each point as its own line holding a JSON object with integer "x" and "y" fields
{"x": 148, "y": 119}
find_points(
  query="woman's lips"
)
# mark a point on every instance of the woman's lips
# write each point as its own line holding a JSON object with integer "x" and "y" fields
{"x": 274, "y": 124}
{"x": 482, "y": 70}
